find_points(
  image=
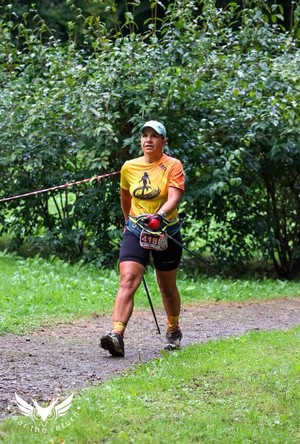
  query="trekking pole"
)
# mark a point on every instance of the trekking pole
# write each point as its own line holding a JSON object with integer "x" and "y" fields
{"x": 151, "y": 305}
{"x": 193, "y": 253}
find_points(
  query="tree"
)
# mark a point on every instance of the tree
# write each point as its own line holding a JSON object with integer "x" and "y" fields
{"x": 248, "y": 131}
{"x": 228, "y": 96}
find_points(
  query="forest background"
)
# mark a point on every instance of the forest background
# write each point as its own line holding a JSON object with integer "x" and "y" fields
{"x": 78, "y": 79}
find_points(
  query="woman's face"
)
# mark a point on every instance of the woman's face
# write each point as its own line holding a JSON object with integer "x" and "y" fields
{"x": 152, "y": 143}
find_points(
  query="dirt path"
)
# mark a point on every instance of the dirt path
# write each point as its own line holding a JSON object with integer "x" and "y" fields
{"x": 47, "y": 363}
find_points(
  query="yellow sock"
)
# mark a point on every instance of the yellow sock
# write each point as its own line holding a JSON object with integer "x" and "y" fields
{"x": 172, "y": 323}
{"x": 119, "y": 327}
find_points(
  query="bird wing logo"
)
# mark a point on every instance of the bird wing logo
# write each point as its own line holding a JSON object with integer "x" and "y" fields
{"x": 62, "y": 408}
{"x": 26, "y": 409}
{"x": 37, "y": 412}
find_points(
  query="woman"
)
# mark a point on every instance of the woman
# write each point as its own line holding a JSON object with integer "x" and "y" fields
{"x": 151, "y": 189}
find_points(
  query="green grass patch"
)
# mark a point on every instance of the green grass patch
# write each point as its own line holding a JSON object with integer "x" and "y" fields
{"x": 35, "y": 292}
{"x": 232, "y": 391}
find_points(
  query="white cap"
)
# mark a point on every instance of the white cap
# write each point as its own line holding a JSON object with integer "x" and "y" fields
{"x": 157, "y": 126}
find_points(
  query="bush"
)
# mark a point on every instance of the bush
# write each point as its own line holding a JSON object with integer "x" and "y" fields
{"x": 223, "y": 81}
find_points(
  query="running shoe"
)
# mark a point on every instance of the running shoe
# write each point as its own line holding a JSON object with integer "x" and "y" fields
{"x": 114, "y": 343}
{"x": 173, "y": 340}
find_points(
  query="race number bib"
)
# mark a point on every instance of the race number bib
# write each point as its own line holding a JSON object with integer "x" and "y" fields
{"x": 158, "y": 242}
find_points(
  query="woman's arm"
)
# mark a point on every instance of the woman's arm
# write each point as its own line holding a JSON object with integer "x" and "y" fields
{"x": 174, "y": 198}
{"x": 125, "y": 202}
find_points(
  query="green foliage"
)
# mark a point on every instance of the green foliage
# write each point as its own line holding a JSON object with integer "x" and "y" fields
{"x": 223, "y": 80}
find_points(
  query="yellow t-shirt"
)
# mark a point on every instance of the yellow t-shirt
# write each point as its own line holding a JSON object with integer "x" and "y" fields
{"x": 148, "y": 183}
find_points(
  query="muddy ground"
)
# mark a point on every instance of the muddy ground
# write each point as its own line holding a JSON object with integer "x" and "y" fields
{"x": 54, "y": 361}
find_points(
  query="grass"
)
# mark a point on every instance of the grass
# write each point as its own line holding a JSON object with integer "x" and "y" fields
{"x": 232, "y": 391}
{"x": 35, "y": 292}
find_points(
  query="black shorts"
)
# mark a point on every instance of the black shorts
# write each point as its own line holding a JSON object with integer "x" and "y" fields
{"x": 165, "y": 260}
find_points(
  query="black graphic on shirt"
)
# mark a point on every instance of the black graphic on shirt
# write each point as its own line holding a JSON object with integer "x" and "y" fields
{"x": 146, "y": 191}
